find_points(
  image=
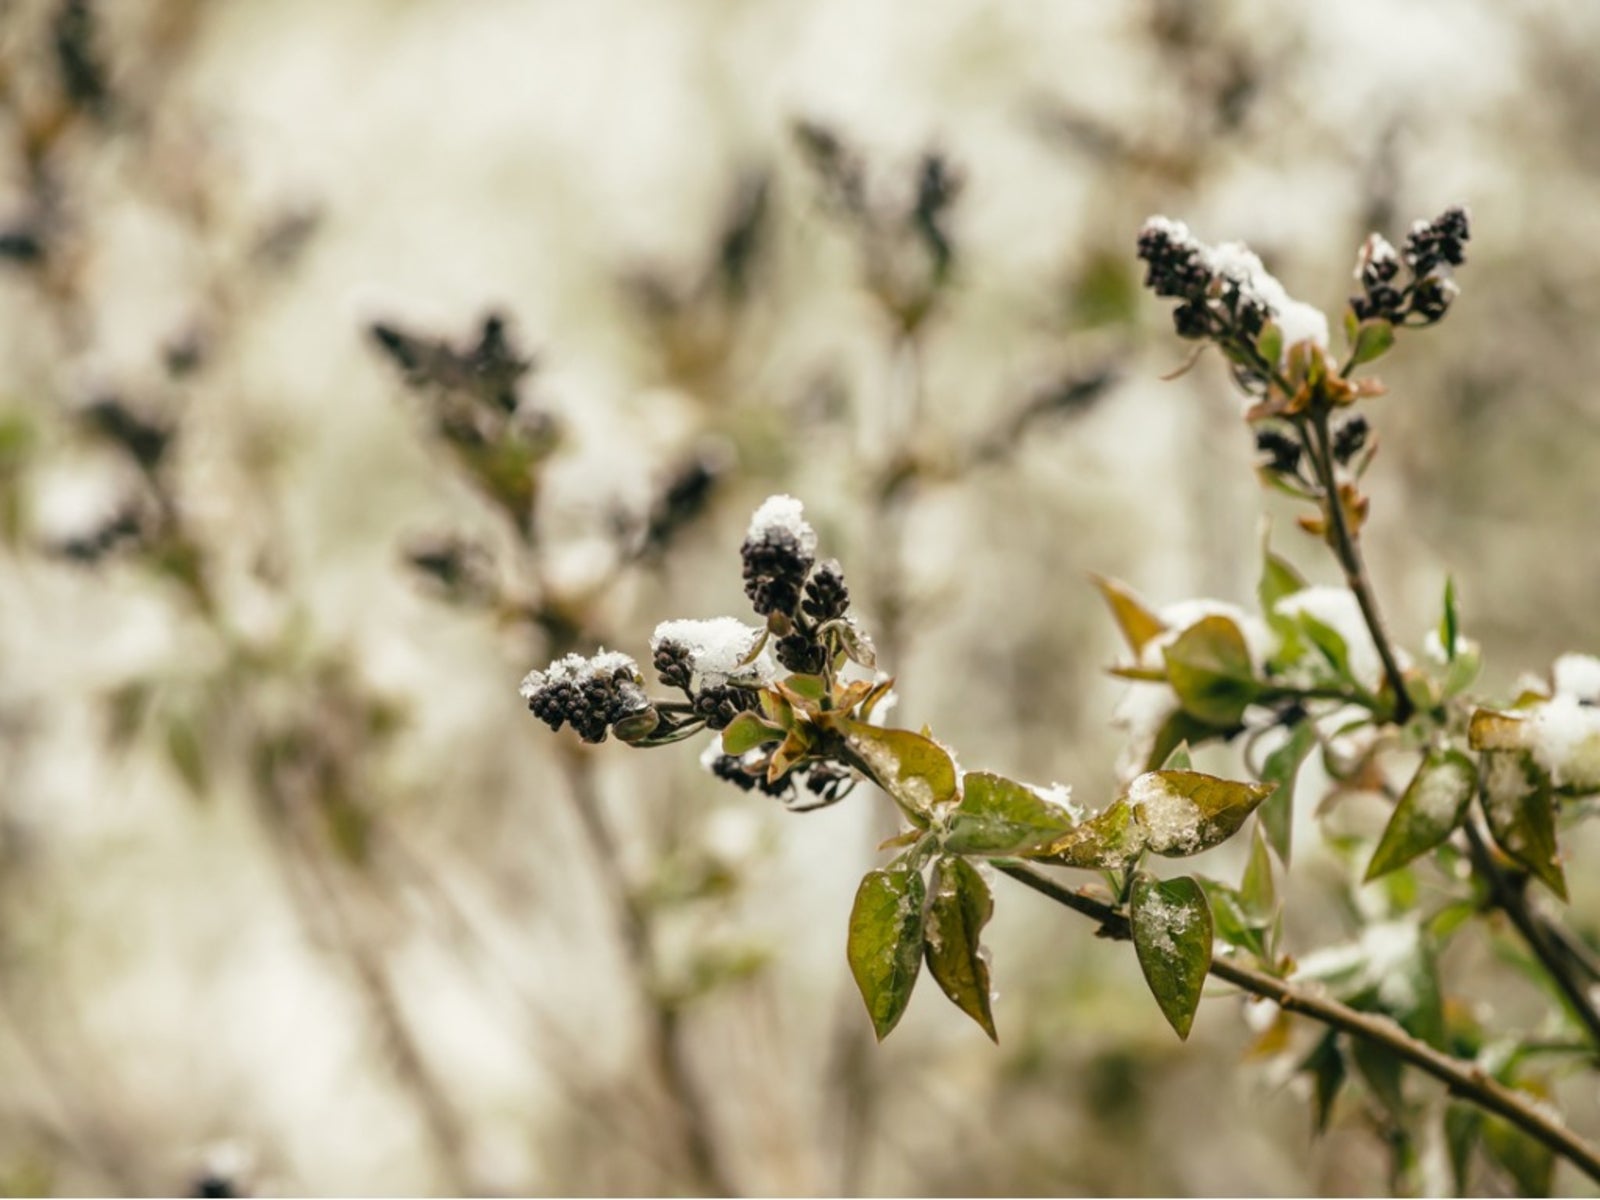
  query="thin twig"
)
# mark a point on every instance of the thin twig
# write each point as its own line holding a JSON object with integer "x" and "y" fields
{"x": 1346, "y": 544}
{"x": 1465, "y": 1079}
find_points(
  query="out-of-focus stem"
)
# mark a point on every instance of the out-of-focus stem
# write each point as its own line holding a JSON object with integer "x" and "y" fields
{"x": 1510, "y": 893}
{"x": 850, "y": 1081}
{"x": 1467, "y": 1080}
{"x": 663, "y": 1029}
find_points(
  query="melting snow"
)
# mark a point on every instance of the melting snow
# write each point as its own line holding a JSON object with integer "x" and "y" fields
{"x": 1171, "y": 821}
{"x": 785, "y": 513}
{"x": 718, "y": 649}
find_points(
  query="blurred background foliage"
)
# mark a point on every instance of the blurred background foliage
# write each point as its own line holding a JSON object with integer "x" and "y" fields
{"x": 355, "y": 358}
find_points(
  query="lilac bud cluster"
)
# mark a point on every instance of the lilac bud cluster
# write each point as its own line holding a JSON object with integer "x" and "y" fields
{"x": 1430, "y": 250}
{"x": 590, "y": 694}
{"x": 776, "y": 562}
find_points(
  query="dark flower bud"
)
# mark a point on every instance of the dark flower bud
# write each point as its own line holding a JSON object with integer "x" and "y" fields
{"x": 1282, "y": 451}
{"x": 826, "y": 596}
{"x": 1378, "y": 262}
{"x": 1381, "y": 300}
{"x": 731, "y": 769}
{"x": 778, "y": 551}
{"x": 829, "y": 781}
{"x": 718, "y": 706}
{"x": 801, "y": 653}
{"x": 674, "y": 664}
{"x": 1432, "y": 296}
{"x": 1175, "y": 262}
{"x": 1350, "y": 438}
{"x": 590, "y": 694}
{"x": 1192, "y": 320}
{"x": 1439, "y": 241}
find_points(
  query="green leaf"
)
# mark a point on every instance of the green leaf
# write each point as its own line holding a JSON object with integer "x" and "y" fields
{"x": 1108, "y": 841}
{"x": 998, "y": 816}
{"x": 915, "y": 770}
{"x": 1172, "y": 937}
{"x": 1257, "y": 892}
{"x": 1210, "y": 670}
{"x": 807, "y": 687}
{"x": 1269, "y": 343}
{"x": 1325, "y": 1065}
{"x": 1179, "y": 759}
{"x": 1282, "y": 768}
{"x": 1463, "y": 1125}
{"x": 747, "y": 731}
{"x": 1231, "y": 922}
{"x": 1519, "y": 802}
{"x": 1530, "y": 1164}
{"x": 1185, "y": 812}
{"x": 1433, "y": 806}
{"x": 1449, "y": 624}
{"x": 1373, "y": 339}
{"x": 959, "y": 909}
{"x": 1382, "y": 1072}
{"x": 885, "y": 944}
{"x": 1328, "y": 640}
{"x": 1278, "y": 579}
{"x": 1137, "y": 622}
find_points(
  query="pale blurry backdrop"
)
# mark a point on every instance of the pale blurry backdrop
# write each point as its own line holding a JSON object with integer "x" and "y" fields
{"x": 295, "y": 896}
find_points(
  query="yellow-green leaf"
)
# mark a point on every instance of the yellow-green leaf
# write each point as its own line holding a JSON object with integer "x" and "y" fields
{"x": 1432, "y": 807}
{"x": 915, "y": 770}
{"x": 1210, "y": 670}
{"x": 885, "y": 943}
{"x": 1185, "y": 812}
{"x": 747, "y": 731}
{"x": 1137, "y": 622}
{"x": 1519, "y": 802}
{"x": 1282, "y": 768}
{"x": 998, "y": 816}
{"x": 957, "y": 912}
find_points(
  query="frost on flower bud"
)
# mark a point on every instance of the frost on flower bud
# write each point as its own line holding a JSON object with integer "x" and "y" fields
{"x": 1175, "y": 260}
{"x": 1376, "y": 270}
{"x": 827, "y": 598}
{"x": 778, "y": 551}
{"x": 1440, "y": 241}
{"x": 1432, "y": 296}
{"x": 1378, "y": 262}
{"x": 590, "y": 694}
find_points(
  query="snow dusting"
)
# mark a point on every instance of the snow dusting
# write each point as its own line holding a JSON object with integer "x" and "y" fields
{"x": 1578, "y": 676}
{"x": 1564, "y": 735}
{"x": 1163, "y": 922}
{"x": 719, "y": 650}
{"x": 1338, "y": 609}
{"x": 1438, "y": 792}
{"x": 1172, "y": 821}
{"x": 783, "y": 513}
{"x": 1299, "y": 321}
{"x": 574, "y": 668}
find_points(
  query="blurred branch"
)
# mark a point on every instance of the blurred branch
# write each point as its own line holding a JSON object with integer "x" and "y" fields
{"x": 1465, "y": 1079}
